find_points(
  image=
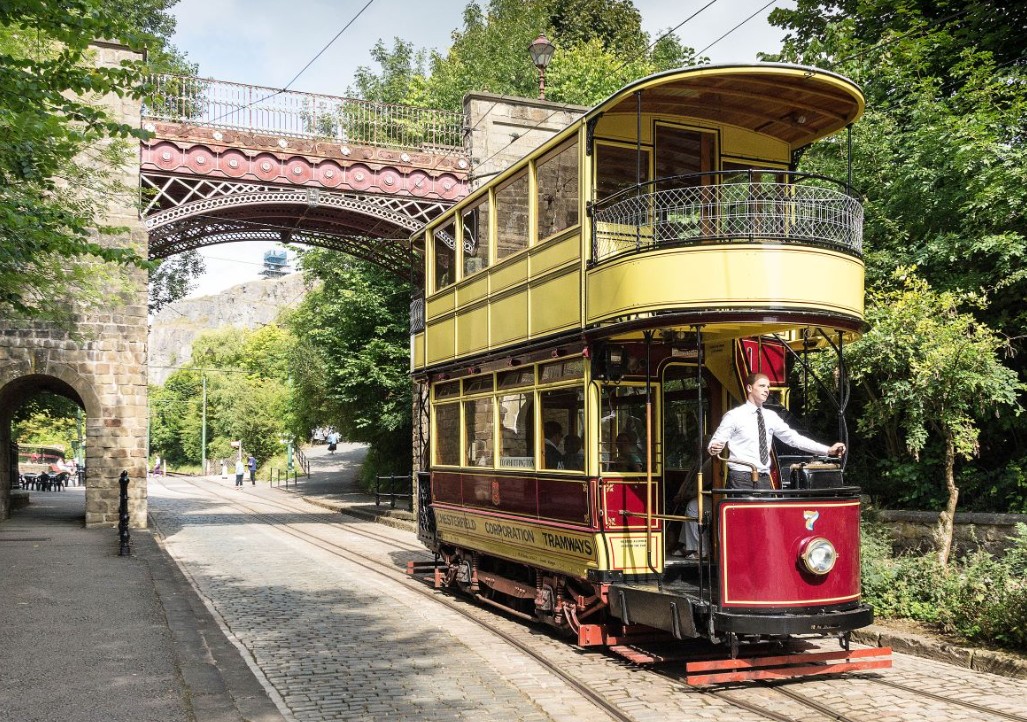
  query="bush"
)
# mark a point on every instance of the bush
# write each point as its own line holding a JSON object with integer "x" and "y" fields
{"x": 979, "y": 597}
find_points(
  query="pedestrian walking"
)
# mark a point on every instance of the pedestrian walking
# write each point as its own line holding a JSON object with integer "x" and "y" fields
{"x": 333, "y": 439}
{"x": 251, "y": 463}
{"x": 239, "y": 471}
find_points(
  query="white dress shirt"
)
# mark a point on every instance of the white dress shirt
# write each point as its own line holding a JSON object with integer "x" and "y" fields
{"x": 738, "y": 428}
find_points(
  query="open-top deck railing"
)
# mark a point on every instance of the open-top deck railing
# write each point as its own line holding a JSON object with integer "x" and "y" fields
{"x": 728, "y": 206}
{"x": 288, "y": 113}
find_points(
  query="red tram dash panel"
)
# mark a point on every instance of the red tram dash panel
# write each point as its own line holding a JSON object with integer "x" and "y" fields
{"x": 760, "y": 553}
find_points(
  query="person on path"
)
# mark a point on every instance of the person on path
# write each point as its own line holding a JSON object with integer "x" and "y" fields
{"x": 224, "y": 470}
{"x": 239, "y": 471}
{"x": 251, "y": 463}
{"x": 333, "y": 439}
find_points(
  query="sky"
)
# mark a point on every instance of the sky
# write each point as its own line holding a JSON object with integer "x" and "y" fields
{"x": 269, "y": 42}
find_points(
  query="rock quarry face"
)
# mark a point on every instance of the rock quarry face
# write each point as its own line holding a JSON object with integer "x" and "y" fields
{"x": 246, "y": 306}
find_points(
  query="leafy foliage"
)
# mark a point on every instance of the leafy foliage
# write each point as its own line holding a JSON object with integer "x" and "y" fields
{"x": 46, "y": 419}
{"x": 600, "y": 47}
{"x": 248, "y": 398}
{"x": 940, "y": 160}
{"x": 172, "y": 280}
{"x": 350, "y": 370}
{"x": 928, "y": 368}
{"x": 980, "y": 597}
{"x": 53, "y": 194}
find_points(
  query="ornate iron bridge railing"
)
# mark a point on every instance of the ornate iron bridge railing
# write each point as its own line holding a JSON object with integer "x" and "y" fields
{"x": 234, "y": 106}
{"x": 728, "y": 206}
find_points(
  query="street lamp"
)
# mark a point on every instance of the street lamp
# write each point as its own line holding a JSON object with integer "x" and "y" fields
{"x": 541, "y": 53}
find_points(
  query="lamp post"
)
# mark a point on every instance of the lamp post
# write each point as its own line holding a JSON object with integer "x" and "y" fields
{"x": 541, "y": 53}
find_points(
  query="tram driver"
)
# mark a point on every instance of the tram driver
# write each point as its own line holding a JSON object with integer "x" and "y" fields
{"x": 749, "y": 430}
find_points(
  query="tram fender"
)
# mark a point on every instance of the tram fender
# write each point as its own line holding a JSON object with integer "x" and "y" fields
{"x": 669, "y": 612}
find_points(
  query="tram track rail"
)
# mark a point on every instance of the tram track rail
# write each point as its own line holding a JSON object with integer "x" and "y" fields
{"x": 980, "y": 709}
{"x": 390, "y": 572}
{"x": 733, "y": 696}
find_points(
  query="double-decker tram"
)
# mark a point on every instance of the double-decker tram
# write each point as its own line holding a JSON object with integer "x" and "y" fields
{"x": 589, "y": 315}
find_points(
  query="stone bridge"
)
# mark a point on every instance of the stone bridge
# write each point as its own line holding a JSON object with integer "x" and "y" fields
{"x": 229, "y": 162}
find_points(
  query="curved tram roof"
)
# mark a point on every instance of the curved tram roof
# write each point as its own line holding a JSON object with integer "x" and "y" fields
{"x": 794, "y": 103}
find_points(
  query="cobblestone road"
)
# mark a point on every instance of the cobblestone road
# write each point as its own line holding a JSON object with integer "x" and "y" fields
{"x": 334, "y": 640}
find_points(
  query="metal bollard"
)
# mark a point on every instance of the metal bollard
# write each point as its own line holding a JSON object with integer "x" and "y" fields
{"x": 124, "y": 551}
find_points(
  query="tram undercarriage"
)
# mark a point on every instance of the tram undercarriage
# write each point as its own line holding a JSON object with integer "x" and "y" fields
{"x": 662, "y": 622}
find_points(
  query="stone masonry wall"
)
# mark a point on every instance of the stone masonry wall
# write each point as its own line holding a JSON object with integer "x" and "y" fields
{"x": 504, "y": 129}
{"x": 101, "y": 361}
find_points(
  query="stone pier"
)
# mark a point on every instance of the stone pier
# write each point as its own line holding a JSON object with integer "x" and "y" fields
{"x": 99, "y": 363}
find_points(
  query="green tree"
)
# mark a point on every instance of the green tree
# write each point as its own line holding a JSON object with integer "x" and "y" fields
{"x": 46, "y": 419}
{"x": 249, "y": 397}
{"x": 929, "y": 368}
{"x": 600, "y": 47}
{"x": 54, "y": 177}
{"x": 173, "y": 279}
{"x": 51, "y": 200}
{"x": 352, "y": 364}
{"x": 940, "y": 162}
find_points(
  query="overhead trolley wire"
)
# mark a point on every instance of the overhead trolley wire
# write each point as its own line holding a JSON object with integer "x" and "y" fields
{"x": 757, "y": 12}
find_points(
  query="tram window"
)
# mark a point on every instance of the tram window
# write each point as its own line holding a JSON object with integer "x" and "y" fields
{"x": 517, "y": 431}
{"x": 684, "y": 152}
{"x": 617, "y": 168}
{"x": 571, "y": 369}
{"x": 563, "y": 412}
{"x": 477, "y": 385}
{"x": 512, "y": 217}
{"x": 681, "y": 416}
{"x": 478, "y": 432}
{"x": 557, "y": 181}
{"x": 622, "y": 428}
{"x": 736, "y": 172}
{"x": 447, "y": 434}
{"x": 445, "y": 255}
{"x": 447, "y": 390}
{"x": 513, "y": 379}
{"x": 476, "y": 238}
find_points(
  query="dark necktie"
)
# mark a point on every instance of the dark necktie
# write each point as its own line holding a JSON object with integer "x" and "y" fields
{"x": 764, "y": 451}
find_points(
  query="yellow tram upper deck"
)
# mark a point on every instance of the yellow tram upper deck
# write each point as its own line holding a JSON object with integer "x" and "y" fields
{"x": 675, "y": 199}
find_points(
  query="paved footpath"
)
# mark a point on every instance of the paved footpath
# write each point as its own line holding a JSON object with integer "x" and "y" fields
{"x": 91, "y": 635}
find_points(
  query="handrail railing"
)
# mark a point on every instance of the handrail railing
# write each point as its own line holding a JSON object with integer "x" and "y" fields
{"x": 235, "y": 106}
{"x": 406, "y": 482}
{"x": 726, "y": 206}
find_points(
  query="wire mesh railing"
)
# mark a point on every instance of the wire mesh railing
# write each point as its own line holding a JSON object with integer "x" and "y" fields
{"x": 347, "y": 121}
{"x": 738, "y": 206}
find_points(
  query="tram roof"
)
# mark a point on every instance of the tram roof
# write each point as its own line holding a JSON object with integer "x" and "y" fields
{"x": 794, "y": 103}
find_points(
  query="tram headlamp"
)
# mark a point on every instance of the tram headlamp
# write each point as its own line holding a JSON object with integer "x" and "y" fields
{"x": 818, "y": 555}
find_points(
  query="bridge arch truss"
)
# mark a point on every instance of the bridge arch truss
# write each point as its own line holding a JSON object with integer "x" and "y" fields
{"x": 183, "y": 213}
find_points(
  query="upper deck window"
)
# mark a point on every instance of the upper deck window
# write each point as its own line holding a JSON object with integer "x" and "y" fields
{"x": 476, "y": 237}
{"x": 444, "y": 247}
{"x": 617, "y": 168}
{"x": 558, "y": 191}
{"x": 684, "y": 152}
{"x": 512, "y": 216}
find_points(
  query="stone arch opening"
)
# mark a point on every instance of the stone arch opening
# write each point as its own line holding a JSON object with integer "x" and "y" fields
{"x": 63, "y": 381}
{"x": 14, "y": 394}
